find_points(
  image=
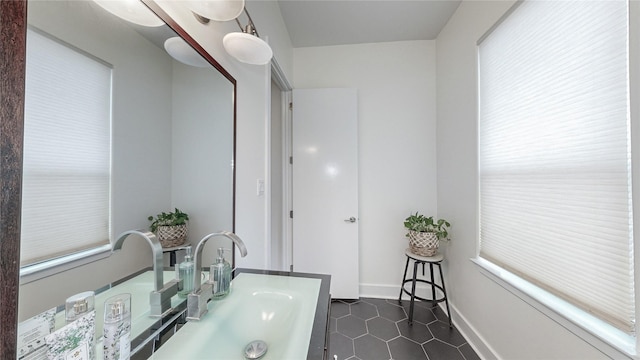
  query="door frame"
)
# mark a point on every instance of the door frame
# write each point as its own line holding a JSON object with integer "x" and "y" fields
{"x": 278, "y": 77}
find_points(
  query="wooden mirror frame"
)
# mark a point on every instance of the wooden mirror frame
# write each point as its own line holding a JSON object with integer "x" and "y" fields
{"x": 13, "y": 39}
{"x": 13, "y": 30}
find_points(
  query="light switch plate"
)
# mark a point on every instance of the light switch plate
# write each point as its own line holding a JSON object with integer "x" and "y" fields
{"x": 260, "y": 187}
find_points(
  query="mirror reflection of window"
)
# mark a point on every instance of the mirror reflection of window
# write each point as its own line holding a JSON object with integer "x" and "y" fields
{"x": 67, "y": 150}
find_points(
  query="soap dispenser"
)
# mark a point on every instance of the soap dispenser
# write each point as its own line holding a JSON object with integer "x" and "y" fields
{"x": 185, "y": 272}
{"x": 220, "y": 276}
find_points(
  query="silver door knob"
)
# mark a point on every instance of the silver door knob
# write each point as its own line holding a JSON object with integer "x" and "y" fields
{"x": 350, "y": 220}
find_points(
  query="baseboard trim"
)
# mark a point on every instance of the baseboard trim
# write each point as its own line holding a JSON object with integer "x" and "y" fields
{"x": 379, "y": 291}
{"x": 475, "y": 340}
{"x": 389, "y": 291}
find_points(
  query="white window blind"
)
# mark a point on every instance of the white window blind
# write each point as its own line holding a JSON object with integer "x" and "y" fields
{"x": 67, "y": 164}
{"x": 555, "y": 187}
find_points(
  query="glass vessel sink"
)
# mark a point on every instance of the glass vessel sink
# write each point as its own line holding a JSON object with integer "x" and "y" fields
{"x": 279, "y": 310}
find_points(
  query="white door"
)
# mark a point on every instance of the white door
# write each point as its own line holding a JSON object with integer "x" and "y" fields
{"x": 325, "y": 187}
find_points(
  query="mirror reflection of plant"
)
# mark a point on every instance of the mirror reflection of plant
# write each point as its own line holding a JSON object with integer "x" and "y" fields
{"x": 420, "y": 223}
{"x": 174, "y": 218}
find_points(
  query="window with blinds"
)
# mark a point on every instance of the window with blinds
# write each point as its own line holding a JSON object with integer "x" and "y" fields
{"x": 554, "y": 152}
{"x": 67, "y": 151}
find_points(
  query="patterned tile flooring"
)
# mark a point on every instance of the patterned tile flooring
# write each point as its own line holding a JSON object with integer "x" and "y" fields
{"x": 372, "y": 329}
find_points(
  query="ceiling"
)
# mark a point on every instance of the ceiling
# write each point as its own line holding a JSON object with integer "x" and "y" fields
{"x": 341, "y": 22}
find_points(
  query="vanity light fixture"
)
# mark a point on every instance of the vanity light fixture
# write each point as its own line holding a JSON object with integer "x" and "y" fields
{"x": 183, "y": 52}
{"x": 133, "y": 11}
{"x": 246, "y": 46}
{"x": 218, "y": 10}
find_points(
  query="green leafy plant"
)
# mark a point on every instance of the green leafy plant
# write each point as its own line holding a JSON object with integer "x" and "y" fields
{"x": 174, "y": 218}
{"x": 420, "y": 223}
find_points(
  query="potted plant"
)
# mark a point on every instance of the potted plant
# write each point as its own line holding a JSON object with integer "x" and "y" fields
{"x": 170, "y": 228}
{"x": 425, "y": 233}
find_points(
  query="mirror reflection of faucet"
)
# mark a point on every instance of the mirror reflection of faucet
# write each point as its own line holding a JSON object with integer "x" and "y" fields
{"x": 160, "y": 297}
{"x": 202, "y": 293}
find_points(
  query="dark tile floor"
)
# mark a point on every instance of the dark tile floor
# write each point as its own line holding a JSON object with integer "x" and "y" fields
{"x": 372, "y": 329}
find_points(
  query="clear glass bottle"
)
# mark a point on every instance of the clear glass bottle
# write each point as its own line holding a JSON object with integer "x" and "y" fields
{"x": 185, "y": 272}
{"x": 117, "y": 327}
{"x": 79, "y": 305}
{"x": 220, "y": 276}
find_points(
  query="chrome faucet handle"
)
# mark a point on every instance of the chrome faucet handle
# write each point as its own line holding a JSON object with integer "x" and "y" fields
{"x": 160, "y": 297}
{"x": 156, "y": 249}
{"x": 198, "y": 253}
{"x": 198, "y": 299}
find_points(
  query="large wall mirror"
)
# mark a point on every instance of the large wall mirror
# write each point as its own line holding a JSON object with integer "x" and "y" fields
{"x": 172, "y": 137}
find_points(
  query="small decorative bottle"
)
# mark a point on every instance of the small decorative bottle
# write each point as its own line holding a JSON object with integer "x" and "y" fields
{"x": 220, "y": 276}
{"x": 117, "y": 327}
{"x": 79, "y": 305}
{"x": 185, "y": 272}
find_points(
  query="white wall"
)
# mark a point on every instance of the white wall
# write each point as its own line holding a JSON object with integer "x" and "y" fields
{"x": 499, "y": 324}
{"x": 397, "y": 149}
{"x": 268, "y": 19}
{"x": 202, "y": 146}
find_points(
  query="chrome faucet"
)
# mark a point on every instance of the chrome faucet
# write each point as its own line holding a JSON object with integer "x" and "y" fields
{"x": 198, "y": 299}
{"x": 160, "y": 297}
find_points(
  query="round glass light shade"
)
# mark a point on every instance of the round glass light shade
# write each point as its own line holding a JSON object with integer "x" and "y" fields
{"x": 133, "y": 11}
{"x": 247, "y": 48}
{"x": 183, "y": 52}
{"x": 218, "y": 10}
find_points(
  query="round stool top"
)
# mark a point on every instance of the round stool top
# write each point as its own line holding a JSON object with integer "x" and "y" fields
{"x": 432, "y": 259}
